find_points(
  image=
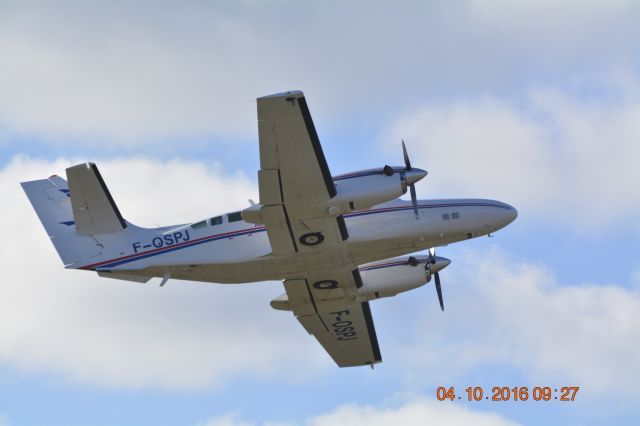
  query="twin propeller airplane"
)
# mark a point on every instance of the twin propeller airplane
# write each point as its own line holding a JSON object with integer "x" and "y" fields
{"x": 337, "y": 242}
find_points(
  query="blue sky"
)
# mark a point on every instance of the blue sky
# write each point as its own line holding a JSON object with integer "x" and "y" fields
{"x": 533, "y": 103}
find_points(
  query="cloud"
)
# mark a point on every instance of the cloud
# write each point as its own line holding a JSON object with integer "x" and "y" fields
{"x": 415, "y": 411}
{"x": 76, "y": 326}
{"x": 226, "y": 420}
{"x": 147, "y": 72}
{"x": 565, "y": 156}
{"x": 510, "y": 314}
{"x": 582, "y": 26}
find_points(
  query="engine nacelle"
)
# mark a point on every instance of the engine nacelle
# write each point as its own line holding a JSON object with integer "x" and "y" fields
{"x": 363, "y": 189}
{"x": 387, "y": 278}
{"x": 382, "y": 279}
{"x": 392, "y": 276}
{"x": 356, "y": 191}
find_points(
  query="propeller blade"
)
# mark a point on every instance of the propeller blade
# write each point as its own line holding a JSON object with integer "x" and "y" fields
{"x": 407, "y": 163}
{"x": 439, "y": 290}
{"x": 414, "y": 201}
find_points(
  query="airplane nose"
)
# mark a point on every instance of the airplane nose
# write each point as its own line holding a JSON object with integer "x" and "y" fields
{"x": 414, "y": 175}
{"x": 507, "y": 216}
{"x": 511, "y": 215}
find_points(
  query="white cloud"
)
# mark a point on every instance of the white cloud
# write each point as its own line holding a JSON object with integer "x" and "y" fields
{"x": 410, "y": 411}
{"x": 589, "y": 26}
{"x": 416, "y": 412}
{"x": 123, "y": 72}
{"x": 564, "y": 157}
{"x": 511, "y": 314}
{"x": 226, "y": 420}
{"x": 74, "y": 325}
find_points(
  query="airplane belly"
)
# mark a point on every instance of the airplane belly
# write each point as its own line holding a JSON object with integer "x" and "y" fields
{"x": 233, "y": 273}
{"x": 389, "y": 236}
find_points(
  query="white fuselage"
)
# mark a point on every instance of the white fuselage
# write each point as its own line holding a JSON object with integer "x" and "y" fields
{"x": 238, "y": 252}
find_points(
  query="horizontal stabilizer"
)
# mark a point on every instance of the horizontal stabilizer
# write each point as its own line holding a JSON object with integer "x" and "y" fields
{"x": 94, "y": 210}
{"x": 124, "y": 276}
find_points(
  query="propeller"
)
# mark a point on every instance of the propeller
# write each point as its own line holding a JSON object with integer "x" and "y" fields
{"x": 412, "y": 188}
{"x": 436, "y": 275}
{"x": 409, "y": 176}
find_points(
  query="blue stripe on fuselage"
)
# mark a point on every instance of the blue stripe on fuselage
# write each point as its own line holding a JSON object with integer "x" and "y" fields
{"x": 365, "y": 173}
{"x": 427, "y": 206}
{"x": 132, "y": 258}
{"x": 388, "y": 265}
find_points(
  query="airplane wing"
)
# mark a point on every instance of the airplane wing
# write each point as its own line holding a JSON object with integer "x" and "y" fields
{"x": 294, "y": 179}
{"x": 344, "y": 328}
{"x": 295, "y": 188}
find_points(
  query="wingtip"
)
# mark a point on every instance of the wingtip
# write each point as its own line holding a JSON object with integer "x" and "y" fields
{"x": 287, "y": 94}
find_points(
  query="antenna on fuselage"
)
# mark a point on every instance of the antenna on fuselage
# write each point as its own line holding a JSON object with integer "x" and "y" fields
{"x": 165, "y": 278}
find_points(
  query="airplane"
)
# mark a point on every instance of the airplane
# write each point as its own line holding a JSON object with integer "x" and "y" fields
{"x": 336, "y": 242}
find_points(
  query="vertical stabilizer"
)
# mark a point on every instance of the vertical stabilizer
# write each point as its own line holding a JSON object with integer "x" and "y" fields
{"x": 51, "y": 201}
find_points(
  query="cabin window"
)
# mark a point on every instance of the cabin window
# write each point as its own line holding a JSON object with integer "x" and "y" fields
{"x": 199, "y": 225}
{"x": 234, "y": 217}
{"x": 216, "y": 220}
{"x": 455, "y": 215}
{"x": 445, "y": 216}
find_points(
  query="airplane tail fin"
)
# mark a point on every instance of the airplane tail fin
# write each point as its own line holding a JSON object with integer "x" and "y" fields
{"x": 72, "y": 213}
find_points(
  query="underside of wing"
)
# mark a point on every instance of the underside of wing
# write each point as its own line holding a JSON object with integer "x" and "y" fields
{"x": 295, "y": 192}
{"x": 347, "y": 334}
{"x": 343, "y": 326}
{"x": 294, "y": 178}
{"x": 289, "y": 143}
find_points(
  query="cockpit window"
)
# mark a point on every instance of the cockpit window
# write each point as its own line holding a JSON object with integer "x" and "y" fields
{"x": 445, "y": 216}
{"x": 199, "y": 225}
{"x": 234, "y": 217}
{"x": 216, "y": 220}
{"x": 455, "y": 215}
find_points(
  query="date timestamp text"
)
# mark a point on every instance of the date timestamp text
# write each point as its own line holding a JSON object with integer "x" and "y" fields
{"x": 505, "y": 393}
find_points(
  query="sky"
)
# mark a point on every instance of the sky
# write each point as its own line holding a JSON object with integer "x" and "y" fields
{"x": 534, "y": 103}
